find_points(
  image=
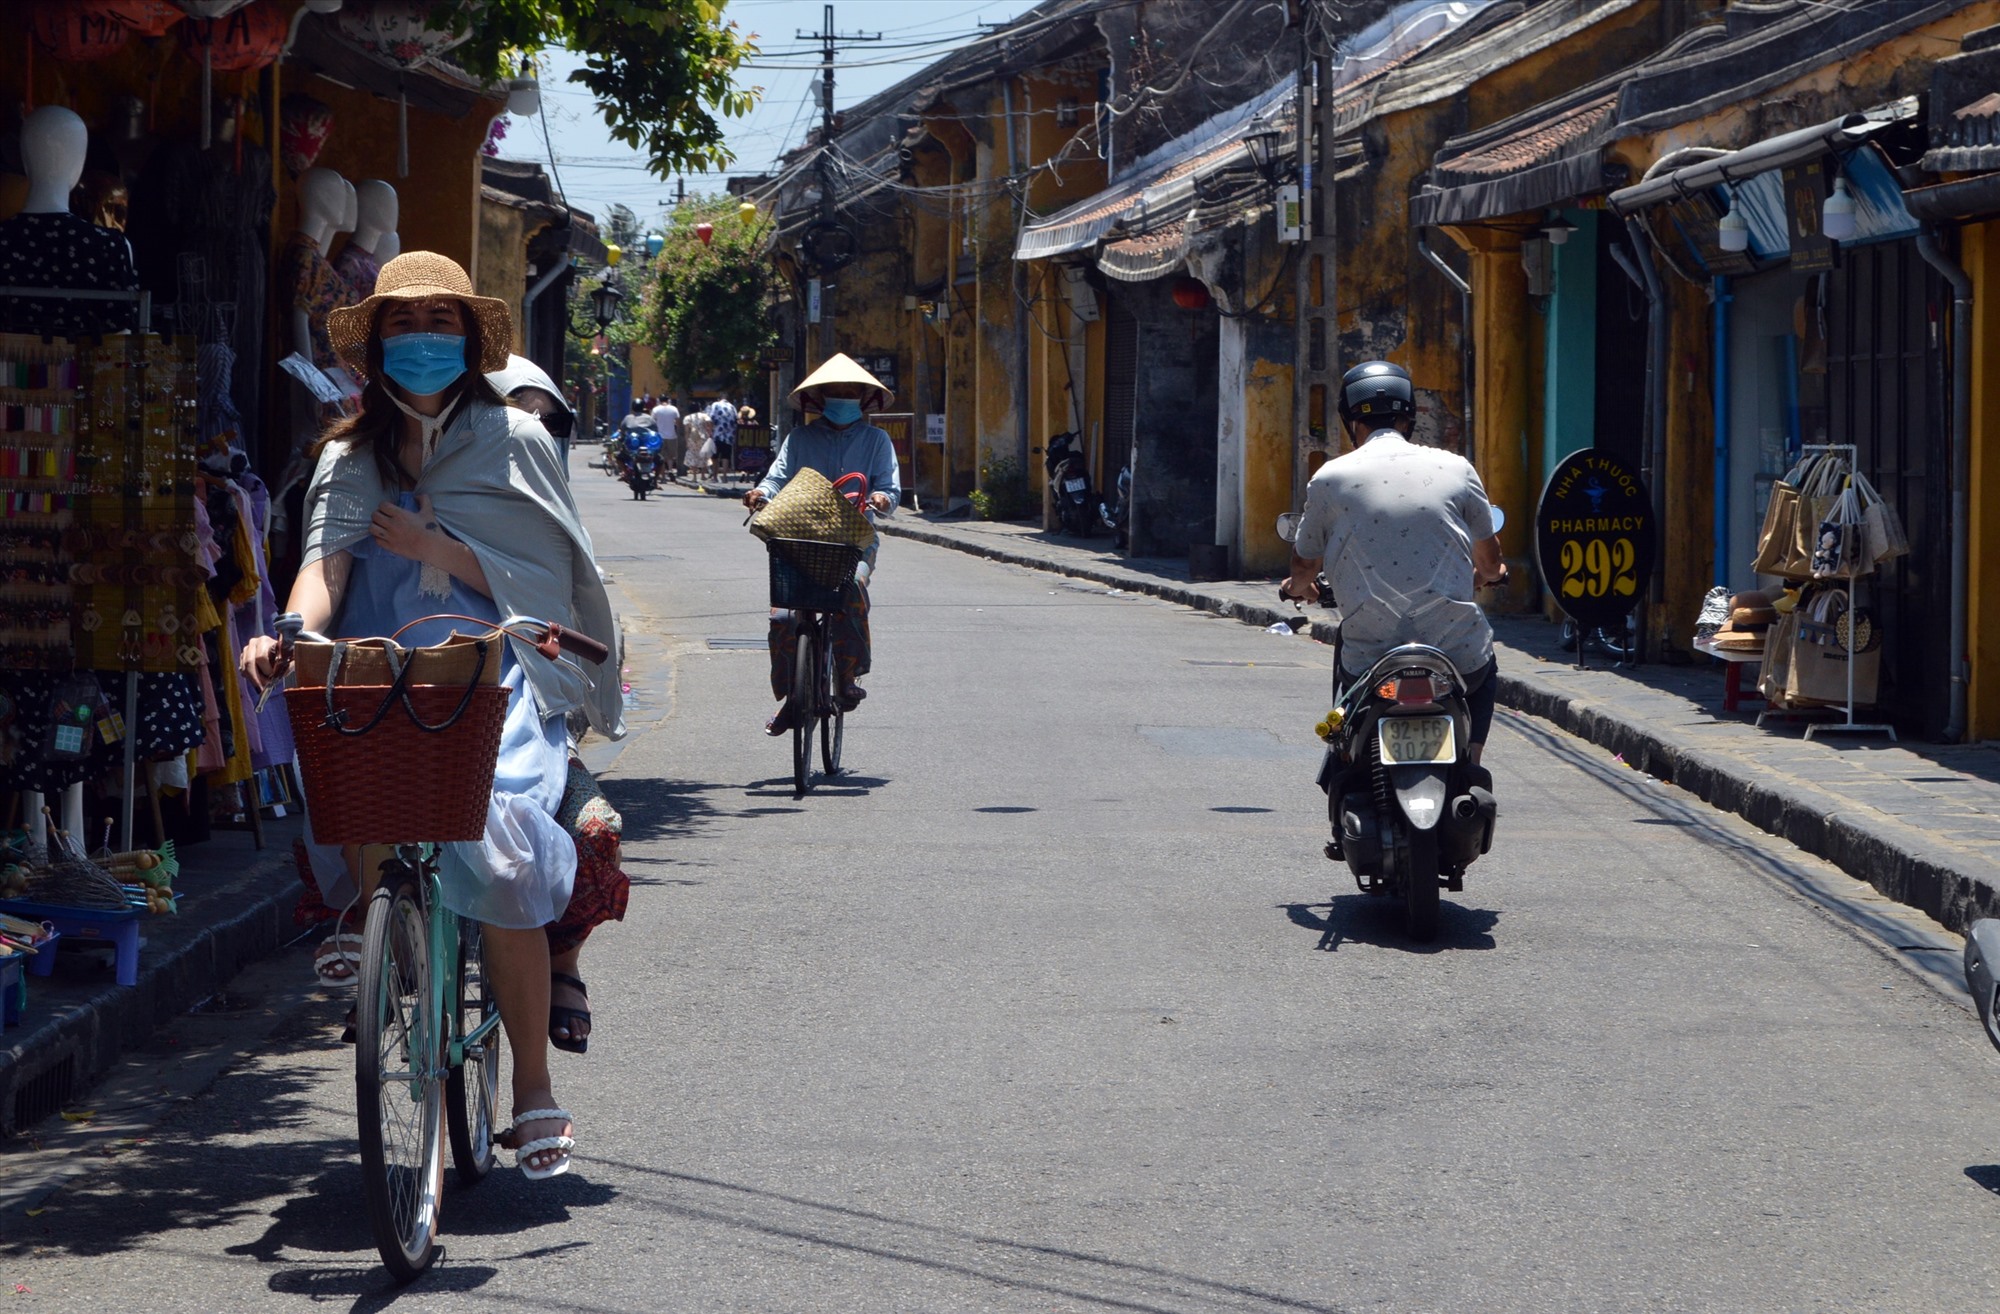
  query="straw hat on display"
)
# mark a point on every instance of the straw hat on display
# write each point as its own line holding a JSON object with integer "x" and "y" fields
{"x": 841, "y": 368}
{"x": 420, "y": 276}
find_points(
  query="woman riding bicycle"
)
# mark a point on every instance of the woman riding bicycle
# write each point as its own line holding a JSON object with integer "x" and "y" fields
{"x": 439, "y": 498}
{"x": 839, "y": 443}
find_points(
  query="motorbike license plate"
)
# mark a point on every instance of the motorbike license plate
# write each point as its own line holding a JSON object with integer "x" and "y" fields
{"x": 1075, "y": 485}
{"x": 1416, "y": 740}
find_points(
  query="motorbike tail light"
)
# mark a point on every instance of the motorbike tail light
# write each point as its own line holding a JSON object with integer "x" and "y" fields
{"x": 1408, "y": 690}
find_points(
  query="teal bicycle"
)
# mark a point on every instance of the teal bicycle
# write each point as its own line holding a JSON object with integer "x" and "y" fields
{"x": 428, "y": 1043}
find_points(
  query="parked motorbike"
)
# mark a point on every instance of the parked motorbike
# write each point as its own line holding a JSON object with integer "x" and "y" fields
{"x": 1069, "y": 484}
{"x": 1116, "y": 513}
{"x": 640, "y": 462}
{"x": 1982, "y": 973}
{"x": 1409, "y": 812}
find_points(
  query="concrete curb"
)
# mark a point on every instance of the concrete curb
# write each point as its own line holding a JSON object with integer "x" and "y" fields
{"x": 1903, "y": 862}
{"x": 56, "y": 1057}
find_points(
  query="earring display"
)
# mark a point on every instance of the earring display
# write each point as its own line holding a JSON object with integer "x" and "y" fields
{"x": 97, "y": 484}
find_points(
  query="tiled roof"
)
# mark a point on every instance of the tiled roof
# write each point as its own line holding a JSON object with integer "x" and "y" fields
{"x": 1532, "y": 144}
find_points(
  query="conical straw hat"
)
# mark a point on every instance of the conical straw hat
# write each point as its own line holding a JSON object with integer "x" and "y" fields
{"x": 842, "y": 368}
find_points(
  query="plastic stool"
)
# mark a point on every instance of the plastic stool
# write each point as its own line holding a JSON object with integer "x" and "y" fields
{"x": 90, "y": 925}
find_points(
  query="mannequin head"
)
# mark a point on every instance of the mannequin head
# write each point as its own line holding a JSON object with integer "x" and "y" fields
{"x": 376, "y": 215}
{"x": 53, "y": 144}
{"x": 388, "y": 248}
{"x": 350, "y": 209}
{"x": 323, "y": 202}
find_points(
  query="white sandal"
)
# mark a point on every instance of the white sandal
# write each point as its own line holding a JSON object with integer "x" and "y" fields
{"x": 562, "y": 1144}
{"x": 341, "y": 949}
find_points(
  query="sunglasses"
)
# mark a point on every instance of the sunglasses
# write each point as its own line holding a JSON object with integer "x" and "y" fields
{"x": 559, "y": 424}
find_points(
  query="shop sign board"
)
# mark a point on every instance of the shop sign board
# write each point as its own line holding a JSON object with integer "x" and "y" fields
{"x": 1805, "y": 194}
{"x": 934, "y": 429}
{"x": 881, "y": 364}
{"x": 1595, "y": 537}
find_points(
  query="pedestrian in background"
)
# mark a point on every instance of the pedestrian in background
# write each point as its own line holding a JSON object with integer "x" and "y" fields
{"x": 667, "y": 423}
{"x": 722, "y": 429}
{"x": 700, "y": 443}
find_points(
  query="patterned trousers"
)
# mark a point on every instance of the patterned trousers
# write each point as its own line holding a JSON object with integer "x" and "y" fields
{"x": 851, "y": 651}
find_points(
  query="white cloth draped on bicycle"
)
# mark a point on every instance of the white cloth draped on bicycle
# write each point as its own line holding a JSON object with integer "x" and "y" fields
{"x": 496, "y": 483}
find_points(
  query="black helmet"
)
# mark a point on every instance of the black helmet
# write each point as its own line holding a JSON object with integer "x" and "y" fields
{"x": 1377, "y": 390}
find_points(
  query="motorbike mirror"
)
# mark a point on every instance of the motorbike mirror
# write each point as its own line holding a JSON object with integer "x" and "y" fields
{"x": 1499, "y": 519}
{"x": 1288, "y": 526}
{"x": 1982, "y": 972}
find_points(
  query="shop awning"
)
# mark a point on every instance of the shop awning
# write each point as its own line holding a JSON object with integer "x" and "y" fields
{"x": 1840, "y": 135}
{"x": 1540, "y": 164}
{"x": 1162, "y": 189}
{"x": 1140, "y": 259}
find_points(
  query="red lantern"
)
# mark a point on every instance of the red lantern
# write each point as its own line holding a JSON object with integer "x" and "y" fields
{"x": 76, "y": 33}
{"x": 252, "y": 37}
{"x": 147, "y": 18}
{"x": 1190, "y": 293}
{"x": 705, "y": 232}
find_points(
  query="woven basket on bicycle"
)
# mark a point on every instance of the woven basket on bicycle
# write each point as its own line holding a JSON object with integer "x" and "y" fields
{"x": 398, "y": 745}
{"x": 808, "y": 575}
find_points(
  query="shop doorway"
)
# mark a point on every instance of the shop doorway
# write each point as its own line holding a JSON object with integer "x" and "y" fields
{"x": 1121, "y": 386}
{"x": 1888, "y": 392}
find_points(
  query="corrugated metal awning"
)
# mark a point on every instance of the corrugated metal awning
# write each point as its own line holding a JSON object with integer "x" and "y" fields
{"x": 1843, "y": 134}
{"x": 1162, "y": 189}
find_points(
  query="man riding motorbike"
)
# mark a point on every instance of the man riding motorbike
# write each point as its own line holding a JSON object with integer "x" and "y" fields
{"x": 1404, "y": 534}
{"x": 837, "y": 444}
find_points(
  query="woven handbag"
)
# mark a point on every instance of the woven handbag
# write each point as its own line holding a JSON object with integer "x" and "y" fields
{"x": 398, "y": 746}
{"x": 807, "y": 507}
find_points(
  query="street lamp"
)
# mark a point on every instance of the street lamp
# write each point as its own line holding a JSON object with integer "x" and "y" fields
{"x": 1557, "y": 229}
{"x": 1836, "y": 217}
{"x": 605, "y": 299}
{"x": 1732, "y": 231}
{"x": 1261, "y": 140}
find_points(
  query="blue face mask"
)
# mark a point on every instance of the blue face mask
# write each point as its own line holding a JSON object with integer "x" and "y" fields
{"x": 424, "y": 363}
{"x": 841, "y": 411}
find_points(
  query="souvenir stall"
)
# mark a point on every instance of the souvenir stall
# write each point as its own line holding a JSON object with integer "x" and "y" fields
{"x": 1826, "y": 532}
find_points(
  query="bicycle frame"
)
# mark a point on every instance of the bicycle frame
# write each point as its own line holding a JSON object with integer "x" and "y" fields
{"x": 446, "y": 935}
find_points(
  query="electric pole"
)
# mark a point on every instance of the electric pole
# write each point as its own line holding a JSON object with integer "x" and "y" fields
{"x": 829, "y": 41}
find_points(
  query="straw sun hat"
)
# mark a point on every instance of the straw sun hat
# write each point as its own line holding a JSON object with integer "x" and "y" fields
{"x": 842, "y": 368}
{"x": 419, "y": 276}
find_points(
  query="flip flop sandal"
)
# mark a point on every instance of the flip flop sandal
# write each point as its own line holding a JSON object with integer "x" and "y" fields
{"x": 561, "y": 1016}
{"x": 562, "y": 1144}
{"x": 342, "y": 949}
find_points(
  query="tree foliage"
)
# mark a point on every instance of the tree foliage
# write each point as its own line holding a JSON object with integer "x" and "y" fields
{"x": 706, "y": 311}
{"x": 662, "y": 71}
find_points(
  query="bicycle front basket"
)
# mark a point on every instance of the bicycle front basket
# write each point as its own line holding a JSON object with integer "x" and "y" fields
{"x": 809, "y": 575}
{"x": 383, "y": 764}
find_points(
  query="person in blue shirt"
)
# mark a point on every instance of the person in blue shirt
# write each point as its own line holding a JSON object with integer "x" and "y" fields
{"x": 838, "y": 443}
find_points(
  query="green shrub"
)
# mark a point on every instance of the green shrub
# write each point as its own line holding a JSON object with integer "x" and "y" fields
{"x": 1003, "y": 492}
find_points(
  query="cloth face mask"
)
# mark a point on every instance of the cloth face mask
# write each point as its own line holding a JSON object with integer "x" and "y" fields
{"x": 424, "y": 363}
{"x": 841, "y": 411}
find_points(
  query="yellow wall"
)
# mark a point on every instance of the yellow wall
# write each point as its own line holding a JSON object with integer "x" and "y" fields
{"x": 1267, "y": 465}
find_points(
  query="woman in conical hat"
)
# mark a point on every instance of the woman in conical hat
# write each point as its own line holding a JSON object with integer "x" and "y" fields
{"x": 440, "y": 498}
{"x": 837, "y": 443}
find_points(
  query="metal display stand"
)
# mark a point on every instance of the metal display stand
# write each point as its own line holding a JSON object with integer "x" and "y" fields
{"x": 1847, "y": 724}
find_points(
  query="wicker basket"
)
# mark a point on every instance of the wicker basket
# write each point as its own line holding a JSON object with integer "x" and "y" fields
{"x": 397, "y": 766}
{"x": 808, "y": 575}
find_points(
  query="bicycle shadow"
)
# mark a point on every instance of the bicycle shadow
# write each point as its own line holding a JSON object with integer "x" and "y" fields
{"x": 1375, "y": 920}
{"x": 844, "y": 785}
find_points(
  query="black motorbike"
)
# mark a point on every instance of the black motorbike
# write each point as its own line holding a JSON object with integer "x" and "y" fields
{"x": 1116, "y": 512}
{"x": 1069, "y": 484}
{"x": 1409, "y": 811}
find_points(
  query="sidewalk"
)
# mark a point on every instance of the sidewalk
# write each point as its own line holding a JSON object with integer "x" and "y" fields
{"x": 235, "y": 908}
{"x": 1919, "y": 822}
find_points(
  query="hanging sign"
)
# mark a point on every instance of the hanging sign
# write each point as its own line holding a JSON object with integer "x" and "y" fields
{"x": 934, "y": 430}
{"x": 1805, "y": 194}
{"x": 1595, "y": 537}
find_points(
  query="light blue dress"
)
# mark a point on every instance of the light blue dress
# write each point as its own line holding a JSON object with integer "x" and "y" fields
{"x": 521, "y": 874}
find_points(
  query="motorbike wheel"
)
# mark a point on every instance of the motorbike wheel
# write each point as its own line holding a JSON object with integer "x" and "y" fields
{"x": 1420, "y": 886}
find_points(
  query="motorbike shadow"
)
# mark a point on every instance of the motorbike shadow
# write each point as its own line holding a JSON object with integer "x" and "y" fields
{"x": 1369, "y": 919}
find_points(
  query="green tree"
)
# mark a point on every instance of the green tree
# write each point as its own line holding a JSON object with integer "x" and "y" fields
{"x": 706, "y": 307}
{"x": 661, "y": 70}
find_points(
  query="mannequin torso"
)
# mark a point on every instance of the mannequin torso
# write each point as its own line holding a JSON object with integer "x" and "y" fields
{"x": 47, "y": 246}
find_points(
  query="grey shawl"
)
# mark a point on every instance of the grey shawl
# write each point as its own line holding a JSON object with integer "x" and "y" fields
{"x": 496, "y": 483}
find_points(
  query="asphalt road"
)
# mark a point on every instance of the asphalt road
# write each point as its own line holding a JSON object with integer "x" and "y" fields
{"x": 1054, "y": 1005}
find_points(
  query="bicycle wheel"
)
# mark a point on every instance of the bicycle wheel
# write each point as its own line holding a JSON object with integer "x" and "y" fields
{"x": 832, "y": 721}
{"x": 472, "y": 1092}
{"x": 398, "y": 1076}
{"x": 803, "y": 706}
